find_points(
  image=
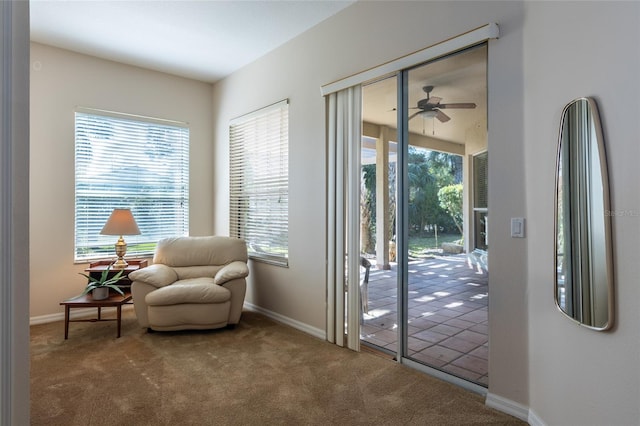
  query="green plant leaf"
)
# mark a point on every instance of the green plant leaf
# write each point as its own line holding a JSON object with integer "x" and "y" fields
{"x": 91, "y": 279}
{"x": 117, "y": 289}
{"x": 104, "y": 275}
{"x": 103, "y": 281}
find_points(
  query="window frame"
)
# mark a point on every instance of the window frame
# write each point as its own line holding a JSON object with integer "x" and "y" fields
{"x": 115, "y": 156}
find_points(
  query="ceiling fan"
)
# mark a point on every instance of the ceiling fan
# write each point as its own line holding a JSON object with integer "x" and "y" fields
{"x": 431, "y": 106}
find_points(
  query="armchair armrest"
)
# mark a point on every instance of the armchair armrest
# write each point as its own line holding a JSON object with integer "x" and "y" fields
{"x": 157, "y": 275}
{"x": 231, "y": 271}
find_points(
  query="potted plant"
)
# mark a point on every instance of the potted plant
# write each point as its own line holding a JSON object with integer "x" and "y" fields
{"x": 99, "y": 287}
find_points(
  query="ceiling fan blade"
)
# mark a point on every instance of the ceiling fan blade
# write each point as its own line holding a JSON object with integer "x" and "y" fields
{"x": 429, "y": 103}
{"x": 442, "y": 116}
{"x": 458, "y": 105}
{"x": 395, "y": 109}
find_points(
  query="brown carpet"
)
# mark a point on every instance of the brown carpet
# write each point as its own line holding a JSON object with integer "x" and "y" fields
{"x": 261, "y": 372}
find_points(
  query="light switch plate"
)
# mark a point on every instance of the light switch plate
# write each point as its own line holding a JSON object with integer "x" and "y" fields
{"x": 517, "y": 227}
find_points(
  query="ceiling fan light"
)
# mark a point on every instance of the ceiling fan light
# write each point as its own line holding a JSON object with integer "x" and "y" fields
{"x": 429, "y": 114}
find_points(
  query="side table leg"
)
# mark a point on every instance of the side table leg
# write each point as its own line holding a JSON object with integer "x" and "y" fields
{"x": 119, "y": 308}
{"x": 66, "y": 322}
{"x": 99, "y": 313}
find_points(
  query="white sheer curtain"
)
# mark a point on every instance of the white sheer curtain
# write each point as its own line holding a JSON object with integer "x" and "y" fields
{"x": 344, "y": 124}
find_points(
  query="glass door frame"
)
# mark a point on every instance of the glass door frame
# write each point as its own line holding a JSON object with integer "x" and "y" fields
{"x": 402, "y": 243}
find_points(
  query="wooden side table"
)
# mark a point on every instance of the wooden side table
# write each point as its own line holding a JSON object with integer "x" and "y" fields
{"x": 115, "y": 300}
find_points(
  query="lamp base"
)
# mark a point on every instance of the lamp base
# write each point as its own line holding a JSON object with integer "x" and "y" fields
{"x": 119, "y": 264}
{"x": 121, "y": 250}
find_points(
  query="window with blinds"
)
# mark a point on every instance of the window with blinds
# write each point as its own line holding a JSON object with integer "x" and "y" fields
{"x": 124, "y": 161}
{"x": 481, "y": 180}
{"x": 259, "y": 182}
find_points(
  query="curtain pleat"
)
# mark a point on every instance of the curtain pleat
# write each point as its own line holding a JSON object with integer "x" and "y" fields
{"x": 343, "y": 216}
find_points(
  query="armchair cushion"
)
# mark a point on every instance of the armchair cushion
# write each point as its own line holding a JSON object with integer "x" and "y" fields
{"x": 157, "y": 275}
{"x": 197, "y": 251}
{"x": 185, "y": 272}
{"x": 192, "y": 290}
{"x": 230, "y": 272}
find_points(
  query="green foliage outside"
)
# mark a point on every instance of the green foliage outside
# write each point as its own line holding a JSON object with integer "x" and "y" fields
{"x": 428, "y": 172}
{"x": 140, "y": 248}
{"x": 433, "y": 218}
{"x": 451, "y": 201}
{"x": 425, "y": 246}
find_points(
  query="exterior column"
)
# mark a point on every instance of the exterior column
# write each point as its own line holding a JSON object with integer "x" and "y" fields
{"x": 382, "y": 199}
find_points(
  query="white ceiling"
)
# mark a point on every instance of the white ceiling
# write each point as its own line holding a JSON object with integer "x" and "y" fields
{"x": 209, "y": 39}
{"x": 204, "y": 40}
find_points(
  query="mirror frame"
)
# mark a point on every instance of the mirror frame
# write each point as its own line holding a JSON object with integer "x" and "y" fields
{"x": 607, "y": 255}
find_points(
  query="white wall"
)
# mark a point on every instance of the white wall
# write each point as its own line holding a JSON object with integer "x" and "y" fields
{"x": 362, "y": 36}
{"x": 60, "y": 81}
{"x": 538, "y": 359}
{"x": 578, "y": 376}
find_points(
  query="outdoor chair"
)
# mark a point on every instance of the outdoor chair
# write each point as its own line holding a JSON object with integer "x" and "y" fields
{"x": 364, "y": 288}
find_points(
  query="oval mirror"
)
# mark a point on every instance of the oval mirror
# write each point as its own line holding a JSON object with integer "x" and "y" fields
{"x": 583, "y": 270}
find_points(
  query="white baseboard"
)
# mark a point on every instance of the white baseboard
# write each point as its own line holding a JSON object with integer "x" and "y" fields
{"x": 74, "y": 313}
{"x": 88, "y": 312}
{"x": 508, "y": 407}
{"x": 534, "y": 420}
{"x": 316, "y": 332}
{"x": 44, "y": 319}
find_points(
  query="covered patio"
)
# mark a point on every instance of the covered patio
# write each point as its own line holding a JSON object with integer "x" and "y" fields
{"x": 448, "y": 324}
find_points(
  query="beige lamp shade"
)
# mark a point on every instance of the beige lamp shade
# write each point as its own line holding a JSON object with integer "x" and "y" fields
{"x": 121, "y": 222}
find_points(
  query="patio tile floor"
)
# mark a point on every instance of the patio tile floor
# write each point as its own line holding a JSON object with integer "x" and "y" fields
{"x": 448, "y": 328}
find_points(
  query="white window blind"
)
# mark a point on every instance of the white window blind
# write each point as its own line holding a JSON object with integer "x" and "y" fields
{"x": 131, "y": 162}
{"x": 259, "y": 182}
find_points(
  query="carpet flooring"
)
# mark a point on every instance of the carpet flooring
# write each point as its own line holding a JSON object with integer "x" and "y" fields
{"x": 260, "y": 372}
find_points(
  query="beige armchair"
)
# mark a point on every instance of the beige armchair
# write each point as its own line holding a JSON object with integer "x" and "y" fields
{"x": 193, "y": 283}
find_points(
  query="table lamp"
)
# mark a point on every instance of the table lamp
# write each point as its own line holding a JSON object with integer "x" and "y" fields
{"x": 121, "y": 222}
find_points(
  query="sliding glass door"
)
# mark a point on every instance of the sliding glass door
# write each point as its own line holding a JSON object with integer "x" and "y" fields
{"x": 379, "y": 206}
{"x": 425, "y": 296}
